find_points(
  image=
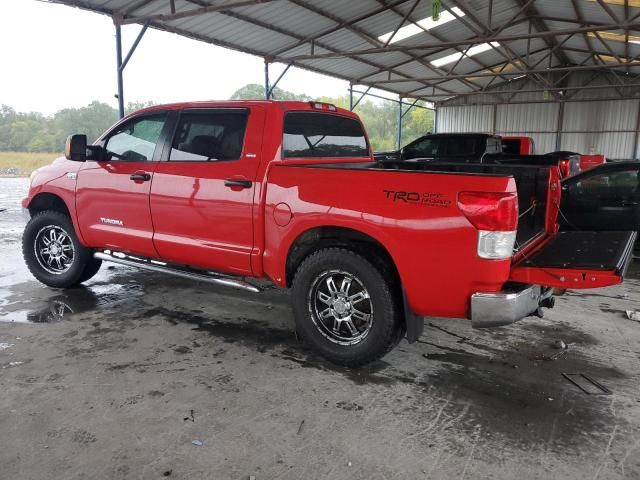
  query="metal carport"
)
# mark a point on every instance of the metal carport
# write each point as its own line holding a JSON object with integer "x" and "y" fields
{"x": 478, "y": 55}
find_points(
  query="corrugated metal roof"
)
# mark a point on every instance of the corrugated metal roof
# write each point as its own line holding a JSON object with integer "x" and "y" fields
{"x": 341, "y": 38}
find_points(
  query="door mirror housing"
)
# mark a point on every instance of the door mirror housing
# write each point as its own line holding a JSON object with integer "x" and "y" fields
{"x": 76, "y": 148}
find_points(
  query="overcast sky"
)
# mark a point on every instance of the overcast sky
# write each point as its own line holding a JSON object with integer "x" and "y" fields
{"x": 54, "y": 56}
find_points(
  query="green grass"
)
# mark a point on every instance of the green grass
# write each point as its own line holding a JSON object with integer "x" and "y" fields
{"x": 23, "y": 163}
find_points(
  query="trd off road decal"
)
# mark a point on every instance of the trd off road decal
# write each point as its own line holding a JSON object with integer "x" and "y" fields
{"x": 418, "y": 198}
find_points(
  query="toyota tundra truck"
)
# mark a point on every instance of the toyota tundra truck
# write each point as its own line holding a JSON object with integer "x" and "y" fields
{"x": 239, "y": 192}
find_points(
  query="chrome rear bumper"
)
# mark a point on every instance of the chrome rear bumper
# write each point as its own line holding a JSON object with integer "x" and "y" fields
{"x": 503, "y": 308}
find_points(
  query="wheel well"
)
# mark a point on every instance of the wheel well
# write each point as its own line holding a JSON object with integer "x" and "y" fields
{"x": 48, "y": 201}
{"x": 341, "y": 237}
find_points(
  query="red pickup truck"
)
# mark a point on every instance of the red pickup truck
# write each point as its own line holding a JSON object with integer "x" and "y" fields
{"x": 230, "y": 192}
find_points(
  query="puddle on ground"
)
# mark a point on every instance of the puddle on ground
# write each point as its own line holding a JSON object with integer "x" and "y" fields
{"x": 53, "y": 309}
{"x": 25, "y": 306}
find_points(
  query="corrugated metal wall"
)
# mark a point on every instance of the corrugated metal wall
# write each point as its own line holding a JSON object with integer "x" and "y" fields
{"x": 589, "y": 125}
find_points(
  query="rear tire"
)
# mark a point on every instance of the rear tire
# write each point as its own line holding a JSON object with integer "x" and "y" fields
{"x": 53, "y": 253}
{"x": 344, "y": 308}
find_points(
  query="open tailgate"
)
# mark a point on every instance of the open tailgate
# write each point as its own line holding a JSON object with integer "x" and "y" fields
{"x": 577, "y": 259}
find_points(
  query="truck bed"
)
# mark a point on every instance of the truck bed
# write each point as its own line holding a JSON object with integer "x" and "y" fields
{"x": 532, "y": 182}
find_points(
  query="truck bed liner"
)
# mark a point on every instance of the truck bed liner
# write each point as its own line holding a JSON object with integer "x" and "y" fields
{"x": 585, "y": 250}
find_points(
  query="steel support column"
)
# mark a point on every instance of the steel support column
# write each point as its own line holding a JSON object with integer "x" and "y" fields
{"x": 495, "y": 118}
{"x": 119, "y": 70}
{"x": 351, "y": 97}
{"x": 635, "y": 136}
{"x": 362, "y": 95}
{"x": 559, "y": 127}
{"x": 399, "y": 141}
{"x": 267, "y": 92}
{"x": 435, "y": 120}
{"x": 120, "y": 63}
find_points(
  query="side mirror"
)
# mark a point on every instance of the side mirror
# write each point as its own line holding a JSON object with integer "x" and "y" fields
{"x": 76, "y": 148}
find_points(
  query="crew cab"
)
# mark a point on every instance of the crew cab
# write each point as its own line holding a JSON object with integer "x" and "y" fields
{"x": 231, "y": 192}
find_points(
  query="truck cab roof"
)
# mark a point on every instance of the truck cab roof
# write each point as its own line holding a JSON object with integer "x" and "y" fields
{"x": 284, "y": 105}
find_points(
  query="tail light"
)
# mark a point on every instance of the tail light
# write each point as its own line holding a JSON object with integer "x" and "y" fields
{"x": 565, "y": 168}
{"x": 495, "y": 215}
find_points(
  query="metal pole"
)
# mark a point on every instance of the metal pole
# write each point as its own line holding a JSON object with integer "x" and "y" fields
{"x": 559, "y": 129}
{"x": 267, "y": 93}
{"x": 275, "y": 84}
{"x": 134, "y": 46}
{"x": 495, "y": 118}
{"x": 366, "y": 93}
{"x": 119, "y": 71}
{"x": 351, "y": 97}
{"x": 635, "y": 135}
{"x": 435, "y": 120}
{"x": 399, "y": 142}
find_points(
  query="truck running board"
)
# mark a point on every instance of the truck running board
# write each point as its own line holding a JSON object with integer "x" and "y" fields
{"x": 157, "y": 266}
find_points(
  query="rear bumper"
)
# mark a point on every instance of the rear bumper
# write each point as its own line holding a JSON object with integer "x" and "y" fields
{"x": 503, "y": 308}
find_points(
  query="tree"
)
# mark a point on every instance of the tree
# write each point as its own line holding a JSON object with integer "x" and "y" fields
{"x": 254, "y": 91}
{"x": 34, "y": 132}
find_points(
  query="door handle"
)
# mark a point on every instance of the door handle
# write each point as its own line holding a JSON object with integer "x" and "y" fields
{"x": 234, "y": 182}
{"x": 629, "y": 204}
{"x": 140, "y": 177}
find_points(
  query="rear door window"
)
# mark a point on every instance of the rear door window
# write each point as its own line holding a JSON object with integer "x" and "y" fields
{"x": 209, "y": 136}
{"x": 322, "y": 135}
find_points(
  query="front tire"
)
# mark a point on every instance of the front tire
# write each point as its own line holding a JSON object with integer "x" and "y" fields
{"x": 53, "y": 253}
{"x": 344, "y": 308}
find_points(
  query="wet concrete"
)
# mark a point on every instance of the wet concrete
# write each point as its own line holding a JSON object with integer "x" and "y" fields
{"x": 115, "y": 380}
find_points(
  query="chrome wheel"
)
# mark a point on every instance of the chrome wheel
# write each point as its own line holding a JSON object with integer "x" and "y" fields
{"x": 53, "y": 249}
{"x": 340, "y": 307}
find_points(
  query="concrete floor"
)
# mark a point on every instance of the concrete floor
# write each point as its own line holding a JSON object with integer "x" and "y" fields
{"x": 115, "y": 380}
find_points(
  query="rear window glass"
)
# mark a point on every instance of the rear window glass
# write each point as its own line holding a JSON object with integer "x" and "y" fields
{"x": 322, "y": 135}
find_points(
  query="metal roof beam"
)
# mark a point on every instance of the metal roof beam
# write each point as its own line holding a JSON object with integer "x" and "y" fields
{"x": 507, "y": 50}
{"x": 402, "y": 22}
{"x": 425, "y": 62}
{"x": 540, "y": 25}
{"x": 610, "y": 12}
{"x": 342, "y": 24}
{"x": 433, "y": 52}
{"x": 288, "y": 33}
{"x": 535, "y": 90}
{"x": 167, "y": 17}
{"x": 363, "y": 34}
{"x": 455, "y": 43}
{"x": 568, "y": 68}
{"x": 137, "y": 6}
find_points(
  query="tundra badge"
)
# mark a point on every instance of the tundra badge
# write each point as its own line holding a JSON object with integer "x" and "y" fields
{"x": 112, "y": 221}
